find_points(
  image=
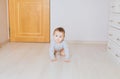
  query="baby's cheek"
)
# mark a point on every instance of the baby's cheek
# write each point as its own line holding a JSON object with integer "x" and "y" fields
{"x": 61, "y": 39}
{"x": 55, "y": 38}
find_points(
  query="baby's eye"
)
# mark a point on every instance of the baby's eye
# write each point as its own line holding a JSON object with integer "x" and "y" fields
{"x": 60, "y": 36}
{"x": 56, "y": 35}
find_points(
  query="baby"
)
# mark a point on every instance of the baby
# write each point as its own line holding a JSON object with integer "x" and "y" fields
{"x": 59, "y": 45}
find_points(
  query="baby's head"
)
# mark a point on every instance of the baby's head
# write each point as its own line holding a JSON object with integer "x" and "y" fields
{"x": 59, "y": 34}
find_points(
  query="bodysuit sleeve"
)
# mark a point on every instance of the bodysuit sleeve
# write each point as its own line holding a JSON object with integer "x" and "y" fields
{"x": 51, "y": 50}
{"x": 66, "y": 50}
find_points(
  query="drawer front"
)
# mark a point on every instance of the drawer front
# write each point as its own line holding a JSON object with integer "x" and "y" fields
{"x": 111, "y": 47}
{"x": 114, "y": 49}
{"x": 114, "y": 34}
{"x": 115, "y": 20}
{"x": 115, "y": 7}
{"x": 117, "y": 39}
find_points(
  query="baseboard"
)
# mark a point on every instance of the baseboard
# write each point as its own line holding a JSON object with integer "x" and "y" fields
{"x": 86, "y": 42}
{"x": 3, "y": 43}
{"x": 72, "y": 42}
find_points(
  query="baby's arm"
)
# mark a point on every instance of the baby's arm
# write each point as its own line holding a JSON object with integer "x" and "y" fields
{"x": 51, "y": 52}
{"x": 66, "y": 51}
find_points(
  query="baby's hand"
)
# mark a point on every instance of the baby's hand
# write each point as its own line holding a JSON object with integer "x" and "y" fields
{"x": 53, "y": 60}
{"x": 66, "y": 60}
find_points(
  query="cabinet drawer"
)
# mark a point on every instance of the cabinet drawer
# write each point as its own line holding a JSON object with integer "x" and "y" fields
{"x": 115, "y": 20}
{"x": 111, "y": 47}
{"x": 114, "y": 49}
{"x": 114, "y": 34}
{"x": 115, "y": 7}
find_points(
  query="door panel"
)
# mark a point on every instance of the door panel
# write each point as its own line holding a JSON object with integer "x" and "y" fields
{"x": 29, "y": 20}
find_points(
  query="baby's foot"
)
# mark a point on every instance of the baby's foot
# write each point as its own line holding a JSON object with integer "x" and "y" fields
{"x": 53, "y": 60}
{"x": 62, "y": 54}
{"x": 66, "y": 60}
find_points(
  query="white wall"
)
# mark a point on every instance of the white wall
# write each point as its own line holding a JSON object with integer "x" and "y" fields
{"x": 3, "y": 21}
{"x": 84, "y": 20}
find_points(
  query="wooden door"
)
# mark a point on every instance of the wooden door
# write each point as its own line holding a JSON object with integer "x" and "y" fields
{"x": 29, "y": 20}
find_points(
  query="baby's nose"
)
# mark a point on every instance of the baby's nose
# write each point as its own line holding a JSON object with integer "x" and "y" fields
{"x": 57, "y": 38}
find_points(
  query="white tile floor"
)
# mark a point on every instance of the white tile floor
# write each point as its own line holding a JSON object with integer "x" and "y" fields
{"x": 31, "y": 61}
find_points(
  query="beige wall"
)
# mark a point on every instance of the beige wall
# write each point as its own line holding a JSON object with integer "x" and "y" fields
{"x": 4, "y": 34}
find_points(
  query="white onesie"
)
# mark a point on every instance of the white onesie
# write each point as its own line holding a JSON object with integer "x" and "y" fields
{"x": 57, "y": 47}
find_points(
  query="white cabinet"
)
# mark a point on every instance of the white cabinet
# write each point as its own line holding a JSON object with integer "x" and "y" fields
{"x": 115, "y": 6}
{"x": 115, "y": 20}
{"x": 114, "y": 30}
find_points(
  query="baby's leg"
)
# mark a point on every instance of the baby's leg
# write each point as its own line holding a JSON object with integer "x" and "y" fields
{"x": 55, "y": 52}
{"x": 55, "y": 59}
{"x": 62, "y": 52}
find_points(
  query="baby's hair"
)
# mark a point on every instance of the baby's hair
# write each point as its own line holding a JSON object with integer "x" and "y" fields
{"x": 60, "y": 29}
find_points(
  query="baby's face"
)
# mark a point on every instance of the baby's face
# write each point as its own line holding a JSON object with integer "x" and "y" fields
{"x": 58, "y": 36}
